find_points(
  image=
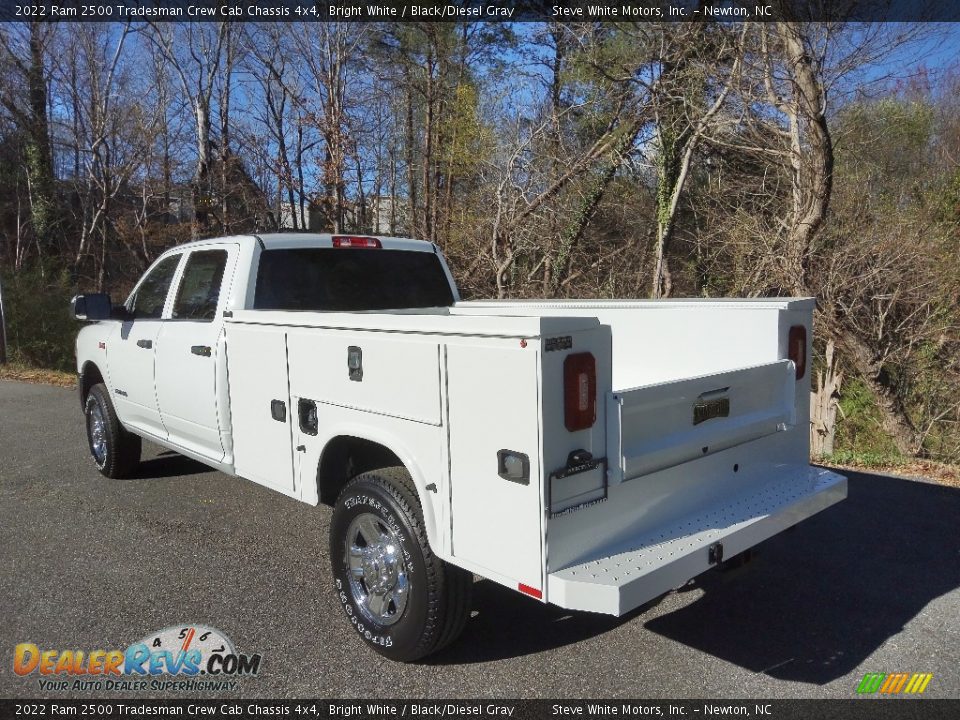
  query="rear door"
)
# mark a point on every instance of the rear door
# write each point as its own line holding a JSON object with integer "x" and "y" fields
{"x": 131, "y": 349}
{"x": 191, "y": 375}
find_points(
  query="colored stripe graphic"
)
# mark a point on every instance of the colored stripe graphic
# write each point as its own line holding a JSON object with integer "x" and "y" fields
{"x": 870, "y": 683}
{"x": 894, "y": 683}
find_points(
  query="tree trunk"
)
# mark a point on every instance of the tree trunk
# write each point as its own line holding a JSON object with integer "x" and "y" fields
{"x": 811, "y": 158}
{"x": 39, "y": 159}
{"x": 824, "y": 402}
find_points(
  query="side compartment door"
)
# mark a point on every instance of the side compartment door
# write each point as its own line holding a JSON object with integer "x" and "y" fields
{"x": 494, "y": 407}
{"x": 190, "y": 371}
{"x": 131, "y": 350}
{"x": 260, "y": 405}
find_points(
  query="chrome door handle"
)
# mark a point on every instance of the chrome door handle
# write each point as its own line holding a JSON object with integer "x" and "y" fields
{"x": 201, "y": 350}
{"x": 145, "y": 344}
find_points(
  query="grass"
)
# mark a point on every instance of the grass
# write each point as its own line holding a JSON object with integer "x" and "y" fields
{"x": 25, "y": 373}
{"x": 942, "y": 473}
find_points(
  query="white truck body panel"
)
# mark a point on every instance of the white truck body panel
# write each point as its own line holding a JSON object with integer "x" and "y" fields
{"x": 700, "y": 434}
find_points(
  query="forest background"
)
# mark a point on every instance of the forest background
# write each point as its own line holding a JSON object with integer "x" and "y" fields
{"x": 546, "y": 160}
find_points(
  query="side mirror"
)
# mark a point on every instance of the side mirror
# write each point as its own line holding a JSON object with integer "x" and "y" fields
{"x": 92, "y": 307}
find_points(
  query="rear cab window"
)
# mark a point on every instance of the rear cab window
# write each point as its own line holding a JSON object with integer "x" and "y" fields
{"x": 350, "y": 280}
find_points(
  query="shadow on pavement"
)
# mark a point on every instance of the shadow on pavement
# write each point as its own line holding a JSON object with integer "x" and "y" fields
{"x": 815, "y": 604}
{"x": 825, "y": 596}
{"x": 168, "y": 464}
{"x": 506, "y": 624}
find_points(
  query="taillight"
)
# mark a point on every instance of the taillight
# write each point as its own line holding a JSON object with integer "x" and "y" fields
{"x": 579, "y": 391}
{"x": 797, "y": 348}
{"x": 354, "y": 241}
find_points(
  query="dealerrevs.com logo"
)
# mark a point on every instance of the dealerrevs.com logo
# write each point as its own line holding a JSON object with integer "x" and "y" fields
{"x": 186, "y": 658}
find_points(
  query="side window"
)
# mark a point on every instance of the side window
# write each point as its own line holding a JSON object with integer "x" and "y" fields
{"x": 150, "y": 297}
{"x": 199, "y": 288}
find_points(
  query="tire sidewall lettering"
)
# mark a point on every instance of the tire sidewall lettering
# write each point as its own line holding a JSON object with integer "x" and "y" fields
{"x": 363, "y": 501}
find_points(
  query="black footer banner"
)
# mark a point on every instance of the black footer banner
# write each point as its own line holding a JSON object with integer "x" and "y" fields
{"x": 860, "y": 708}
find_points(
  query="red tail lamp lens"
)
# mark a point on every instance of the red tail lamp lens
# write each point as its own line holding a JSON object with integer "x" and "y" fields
{"x": 579, "y": 391}
{"x": 797, "y": 349}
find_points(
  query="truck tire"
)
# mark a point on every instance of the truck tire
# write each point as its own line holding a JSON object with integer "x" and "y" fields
{"x": 115, "y": 451}
{"x": 401, "y": 599}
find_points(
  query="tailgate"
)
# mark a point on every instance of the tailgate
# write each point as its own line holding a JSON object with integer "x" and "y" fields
{"x": 657, "y": 426}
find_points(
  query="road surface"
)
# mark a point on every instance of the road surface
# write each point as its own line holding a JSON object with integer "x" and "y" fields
{"x": 870, "y": 585}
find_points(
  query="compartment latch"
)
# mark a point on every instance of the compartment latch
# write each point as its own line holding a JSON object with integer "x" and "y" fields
{"x": 715, "y": 553}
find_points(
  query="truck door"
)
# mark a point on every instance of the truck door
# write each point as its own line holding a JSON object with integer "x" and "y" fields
{"x": 189, "y": 378}
{"x": 131, "y": 350}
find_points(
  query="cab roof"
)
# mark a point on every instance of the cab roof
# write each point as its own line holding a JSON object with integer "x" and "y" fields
{"x": 290, "y": 240}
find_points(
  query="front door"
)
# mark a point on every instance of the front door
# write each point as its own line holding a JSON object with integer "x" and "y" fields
{"x": 191, "y": 374}
{"x": 131, "y": 350}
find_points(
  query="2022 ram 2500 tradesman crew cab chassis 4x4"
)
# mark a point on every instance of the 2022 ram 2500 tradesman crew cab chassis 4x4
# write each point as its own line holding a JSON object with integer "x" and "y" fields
{"x": 590, "y": 454}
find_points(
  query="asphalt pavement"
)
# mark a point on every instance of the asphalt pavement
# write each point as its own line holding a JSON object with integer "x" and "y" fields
{"x": 869, "y": 585}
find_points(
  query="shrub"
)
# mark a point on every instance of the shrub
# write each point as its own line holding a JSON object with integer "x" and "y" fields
{"x": 40, "y": 329}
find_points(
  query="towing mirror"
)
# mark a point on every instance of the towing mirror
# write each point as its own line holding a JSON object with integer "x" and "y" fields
{"x": 92, "y": 307}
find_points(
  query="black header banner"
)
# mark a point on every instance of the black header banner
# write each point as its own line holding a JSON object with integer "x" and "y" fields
{"x": 220, "y": 709}
{"x": 479, "y": 10}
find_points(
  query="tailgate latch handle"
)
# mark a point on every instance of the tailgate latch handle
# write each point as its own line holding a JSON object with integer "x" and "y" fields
{"x": 712, "y": 404}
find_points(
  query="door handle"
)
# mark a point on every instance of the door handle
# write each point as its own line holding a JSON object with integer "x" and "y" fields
{"x": 145, "y": 344}
{"x": 201, "y": 350}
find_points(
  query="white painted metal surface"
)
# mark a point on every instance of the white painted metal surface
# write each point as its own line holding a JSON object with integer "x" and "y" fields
{"x": 668, "y": 556}
{"x": 493, "y": 403}
{"x": 318, "y": 358}
{"x": 445, "y": 389}
{"x": 186, "y": 379}
{"x": 263, "y": 450}
{"x": 651, "y": 427}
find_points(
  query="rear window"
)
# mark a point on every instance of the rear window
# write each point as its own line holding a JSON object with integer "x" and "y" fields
{"x": 350, "y": 280}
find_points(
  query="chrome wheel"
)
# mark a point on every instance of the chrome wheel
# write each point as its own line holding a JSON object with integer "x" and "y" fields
{"x": 376, "y": 569}
{"x": 97, "y": 431}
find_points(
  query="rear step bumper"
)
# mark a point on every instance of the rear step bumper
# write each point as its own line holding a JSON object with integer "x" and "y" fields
{"x": 664, "y": 560}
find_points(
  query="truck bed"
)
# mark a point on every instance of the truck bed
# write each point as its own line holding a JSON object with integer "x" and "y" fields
{"x": 700, "y": 436}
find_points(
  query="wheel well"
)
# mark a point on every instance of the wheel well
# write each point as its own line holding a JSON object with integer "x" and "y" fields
{"x": 344, "y": 458}
{"x": 88, "y": 378}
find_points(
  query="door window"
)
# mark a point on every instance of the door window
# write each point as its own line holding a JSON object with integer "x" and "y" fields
{"x": 148, "y": 301}
{"x": 199, "y": 289}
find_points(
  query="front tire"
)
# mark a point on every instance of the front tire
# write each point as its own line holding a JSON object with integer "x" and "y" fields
{"x": 401, "y": 599}
{"x": 115, "y": 451}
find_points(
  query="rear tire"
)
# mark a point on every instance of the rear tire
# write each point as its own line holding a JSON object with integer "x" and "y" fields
{"x": 403, "y": 601}
{"x": 115, "y": 451}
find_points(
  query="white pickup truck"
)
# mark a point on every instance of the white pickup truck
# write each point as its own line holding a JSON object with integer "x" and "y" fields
{"x": 589, "y": 454}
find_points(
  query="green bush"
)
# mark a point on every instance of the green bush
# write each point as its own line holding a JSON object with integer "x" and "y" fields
{"x": 40, "y": 329}
{"x": 860, "y": 436}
